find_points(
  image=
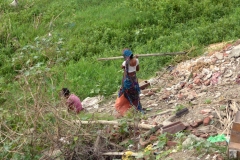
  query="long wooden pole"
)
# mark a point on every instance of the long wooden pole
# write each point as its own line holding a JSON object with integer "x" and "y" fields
{"x": 119, "y": 154}
{"x": 145, "y": 55}
{"x": 143, "y": 126}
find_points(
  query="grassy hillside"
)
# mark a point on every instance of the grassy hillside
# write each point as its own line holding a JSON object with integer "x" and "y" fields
{"x": 67, "y": 38}
{"x": 46, "y": 45}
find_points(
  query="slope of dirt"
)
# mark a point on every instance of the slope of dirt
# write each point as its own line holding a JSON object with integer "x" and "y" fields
{"x": 205, "y": 85}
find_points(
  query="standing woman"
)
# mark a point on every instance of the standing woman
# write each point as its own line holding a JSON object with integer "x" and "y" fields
{"x": 128, "y": 95}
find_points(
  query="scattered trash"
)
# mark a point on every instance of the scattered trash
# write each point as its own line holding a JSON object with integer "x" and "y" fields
{"x": 218, "y": 138}
{"x": 92, "y": 102}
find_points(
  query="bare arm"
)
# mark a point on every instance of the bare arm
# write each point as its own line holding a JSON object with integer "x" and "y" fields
{"x": 137, "y": 68}
{"x": 123, "y": 65}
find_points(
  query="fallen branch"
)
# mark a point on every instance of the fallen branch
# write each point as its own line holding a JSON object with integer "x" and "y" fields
{"x": 161, "y": 113}
{"x": 142, "y": 140}
{"x": 227, "y": 120}
{"x": 145, "y": 55}
{"x": 144, "y": 143}
{"x": 234, "y": 107}
{"x": 151, "y": 131}
{"x": 142, "y": 126}
{"x": 96, "y": 144}
{"x": 111, "y": 143}
{"x": 118, "y": 154}
{"x": 227, "y": 128}
{"x": 219, "y": 115}
{"x": 170, "y": 118}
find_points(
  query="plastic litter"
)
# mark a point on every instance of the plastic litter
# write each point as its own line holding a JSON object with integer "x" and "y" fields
{"x": 218, "y": 138}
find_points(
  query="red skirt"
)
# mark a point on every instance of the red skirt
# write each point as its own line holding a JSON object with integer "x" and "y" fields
{"x": 122, "y": 105}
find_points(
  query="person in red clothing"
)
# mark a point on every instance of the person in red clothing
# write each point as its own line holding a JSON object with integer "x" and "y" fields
{"x": 73, "y": 102}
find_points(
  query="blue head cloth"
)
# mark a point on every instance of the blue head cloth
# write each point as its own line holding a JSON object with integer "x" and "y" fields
{"x": 127, "y": 53}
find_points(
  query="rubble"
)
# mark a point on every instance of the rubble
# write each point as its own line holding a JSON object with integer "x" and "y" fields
{"x": 173, "y": 127}
{"x": 208, "y": 89}
{"x": 190, "y": 140}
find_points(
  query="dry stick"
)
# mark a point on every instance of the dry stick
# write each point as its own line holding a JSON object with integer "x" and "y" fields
{"x": 234, "y": 107}
{"x": 53, "y": 19}
{"x": 113, "y": 144}
{"x": 170, "y": 118}
{"x": 7, "y": 135}
{"x": 118, "y": 154}
{"x": 229, "y": 118}
{"x": 215, "y": 127}
{"x": 143, "y": 126}
{"x": 148, "y": 133}
{"x": 219, "y": 116}
{"x": 35, "y": 102}
{"x": 12, "y": 131}
{"x": 28, "y": 113}
{"x": 227, "y": 111}
{"x": 16, "y": 151}
{"x": 151, "y": 131}
{"x": 3, "y": 140}
{"x": 227, "y": 127}
{"x": 160, "y": 76}
{"x": 222, "y": 120}
{"x": 72, "y": 155}
{"x": 65, "y": 121}
{"x": 144, "y": 143}
{"x": 145, "y": 55}
{"x": 96, "y": 144}
{"x": 161, "y": 113}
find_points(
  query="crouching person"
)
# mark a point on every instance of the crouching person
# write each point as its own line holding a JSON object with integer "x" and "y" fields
{"x": 72, "y": 101}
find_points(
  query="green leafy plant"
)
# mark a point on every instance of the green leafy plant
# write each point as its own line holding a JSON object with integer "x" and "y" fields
{"x": 124, "y": 127}
{"x": 162, "y": 140}
{"x": 179, "y": 107}
{"x": 204, "y": 147}
{"x": 163, "y": 154}
{"x": 208, "y": 101}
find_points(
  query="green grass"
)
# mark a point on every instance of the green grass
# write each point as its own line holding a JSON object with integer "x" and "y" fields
{"x": 83, "y": 31}
{"x": 85, "y": 116}
{"x": 208, "y": 101}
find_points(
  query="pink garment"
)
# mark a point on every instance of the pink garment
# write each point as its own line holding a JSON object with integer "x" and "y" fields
{"x": 74, "y": 103}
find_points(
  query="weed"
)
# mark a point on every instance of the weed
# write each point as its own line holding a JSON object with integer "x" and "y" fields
{"x": 163, "y": 154}
{"x": 179, "y": 136}
{"x": 208, "y": 101}
{"x": 179, "y": 107}
{"x": 162, "y": 140}
{"x": 205, "y": 147}
{"x": 222, "y": 108}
